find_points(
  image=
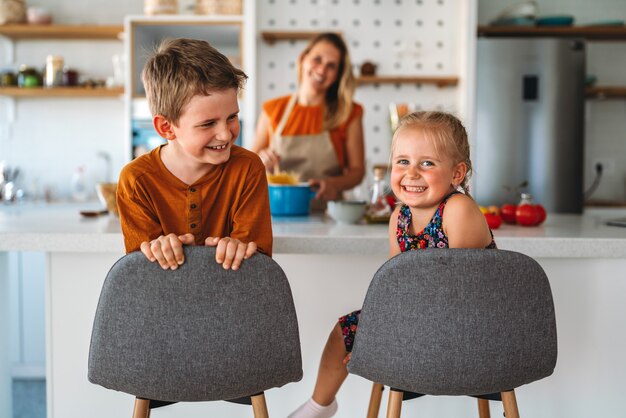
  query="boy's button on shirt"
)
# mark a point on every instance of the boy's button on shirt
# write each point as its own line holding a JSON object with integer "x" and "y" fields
{"x": 194, "y": 214}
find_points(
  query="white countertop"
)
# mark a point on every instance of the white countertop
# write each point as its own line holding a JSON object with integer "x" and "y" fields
{"x": 60, "y": 228}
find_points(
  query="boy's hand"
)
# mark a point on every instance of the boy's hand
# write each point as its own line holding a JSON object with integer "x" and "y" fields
{"x": 167, "y": 250}
{"x": 230, "y": 252}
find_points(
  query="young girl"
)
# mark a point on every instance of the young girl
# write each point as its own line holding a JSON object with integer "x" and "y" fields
{"x": 430, "y": 167}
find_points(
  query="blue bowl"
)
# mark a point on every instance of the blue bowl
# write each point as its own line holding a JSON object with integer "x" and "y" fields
{"x": 288, "y": 200}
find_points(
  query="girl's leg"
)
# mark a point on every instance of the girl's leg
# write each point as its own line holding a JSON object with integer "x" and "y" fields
{"x": 332, "y": 372}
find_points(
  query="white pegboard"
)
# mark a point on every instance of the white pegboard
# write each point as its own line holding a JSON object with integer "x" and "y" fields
{"x": 403, "y": 37}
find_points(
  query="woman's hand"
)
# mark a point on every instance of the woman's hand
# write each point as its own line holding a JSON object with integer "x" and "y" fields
{"x": 327, "y": 189}
{"x": 231, "y": 252}
{"x": 270, "y": 159}
{"x": 167, "y": 250}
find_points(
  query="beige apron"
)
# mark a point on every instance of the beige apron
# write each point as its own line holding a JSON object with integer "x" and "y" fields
{"x": 309, "y": 156}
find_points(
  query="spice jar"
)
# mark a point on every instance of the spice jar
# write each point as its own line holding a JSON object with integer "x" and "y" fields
{"x": 8, "y": 79}
{"x": 70, "y": 77}
{"x": 54, "y": 71}
{"x": 28, "y": 77}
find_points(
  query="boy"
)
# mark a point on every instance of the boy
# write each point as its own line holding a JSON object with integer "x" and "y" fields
{"x": 198, "y": 188}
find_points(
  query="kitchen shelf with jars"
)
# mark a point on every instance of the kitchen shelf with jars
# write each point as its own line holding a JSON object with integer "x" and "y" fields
{"x": 28, "y": 83}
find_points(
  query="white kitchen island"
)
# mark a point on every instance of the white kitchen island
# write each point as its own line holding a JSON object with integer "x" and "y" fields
{"x": 329, "y": 267}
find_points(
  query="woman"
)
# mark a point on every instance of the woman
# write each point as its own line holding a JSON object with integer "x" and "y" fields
{"x": 317, "y": 132}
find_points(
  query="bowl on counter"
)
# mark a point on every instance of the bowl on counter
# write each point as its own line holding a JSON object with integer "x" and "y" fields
{"x": 106, "y": 194}
{"x": 346, "y": 211}
{"x": 290, "y": 200}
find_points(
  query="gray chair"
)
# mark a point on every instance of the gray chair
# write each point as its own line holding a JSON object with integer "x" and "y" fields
{"x": 197, "y": 333}
{"x": 456, "y": 322}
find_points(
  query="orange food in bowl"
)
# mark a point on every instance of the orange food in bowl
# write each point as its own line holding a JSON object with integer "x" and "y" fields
{"x": 282, "y": 177}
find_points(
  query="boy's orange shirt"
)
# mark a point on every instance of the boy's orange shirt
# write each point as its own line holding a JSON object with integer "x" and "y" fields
{"x": 231, "y": 200}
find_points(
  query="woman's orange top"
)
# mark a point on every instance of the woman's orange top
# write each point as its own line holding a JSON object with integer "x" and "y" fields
{"x": 309, "y": 120}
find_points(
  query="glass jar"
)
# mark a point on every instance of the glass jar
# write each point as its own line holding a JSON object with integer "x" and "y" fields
{"x": 54, "y": 71}
{"x": 378, "y": 209}
{"x": 70, "y": 77}
{"x": 8, "y": 78}
{"x": 28, "y": 77}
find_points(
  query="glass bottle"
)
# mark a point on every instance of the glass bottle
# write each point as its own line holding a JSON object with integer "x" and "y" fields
{"x": 79, "y": 185}
{"x": 378, "y": 209}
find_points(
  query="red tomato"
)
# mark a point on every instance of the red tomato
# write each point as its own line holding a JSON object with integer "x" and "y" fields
{"x": 493, "y": 220}
{"x": 391, "y": 201}
{"x": 542, "y": 214}
{"x": 508, "y": 213}
{"x": 527, "y": 215}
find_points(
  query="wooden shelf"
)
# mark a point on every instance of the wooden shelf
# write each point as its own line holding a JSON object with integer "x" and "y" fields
{"x": 273, "y": 36}
{"x": 62, "y": 31}
{"x": 77, "y": 92}
{"x": 587, "y": 32}
{"x": 439, "y": 81}
{"x": 606, "y": 92}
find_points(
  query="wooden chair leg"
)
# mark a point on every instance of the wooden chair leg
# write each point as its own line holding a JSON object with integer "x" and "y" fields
{"x": 259, "y": 407}
{"x": 483, "y": 408}
{"x": 395, "y": 404}
{"x": 142, "y": 408}
{"x": 375, "y": 399}
{"x": 510, "y": 404}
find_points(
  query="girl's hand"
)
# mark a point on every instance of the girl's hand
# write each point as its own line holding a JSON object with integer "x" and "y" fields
{"x": 167, "y": 250}
{"x": 231, "y": 252}
{"x": 270, "y": 159}
{"x": 326, "y": 189}
{"x": 347, "y": 358}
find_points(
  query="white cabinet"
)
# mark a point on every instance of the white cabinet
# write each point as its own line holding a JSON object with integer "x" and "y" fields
{"x": 143, "y": 33}
{"x": 26, "y": 275}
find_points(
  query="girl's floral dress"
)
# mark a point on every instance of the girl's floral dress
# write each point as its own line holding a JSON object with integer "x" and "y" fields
{"x": 432, "y": 236}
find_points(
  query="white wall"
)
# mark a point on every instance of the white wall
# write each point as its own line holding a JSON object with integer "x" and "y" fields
{"x": 605, "y": 130}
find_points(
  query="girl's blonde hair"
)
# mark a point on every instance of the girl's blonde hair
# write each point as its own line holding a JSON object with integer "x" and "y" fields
{"x": 447, "y": 134}
{"x": 338, "y": 98}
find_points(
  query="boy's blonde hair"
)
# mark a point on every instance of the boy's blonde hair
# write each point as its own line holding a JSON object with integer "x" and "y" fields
{"x": 447, "y": 134}
{"x": 338, "y": 98}
{"x": 183, "y": 68}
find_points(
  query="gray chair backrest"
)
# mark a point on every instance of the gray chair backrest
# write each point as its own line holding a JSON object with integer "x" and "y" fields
{"x": 457, "y": 322}
{"x": 197, "y": 333}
